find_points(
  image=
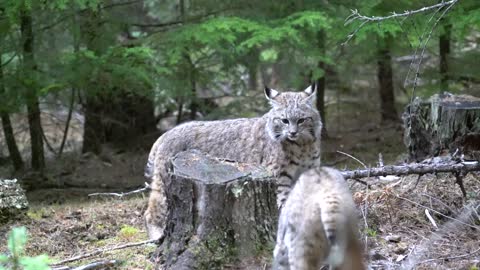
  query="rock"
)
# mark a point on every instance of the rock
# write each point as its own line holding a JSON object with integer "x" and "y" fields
{"x": 376, "y": 256}
{"x": 393, "y": 238}
{"x": 13, "y": 200}
{"x": 401, "y": 248}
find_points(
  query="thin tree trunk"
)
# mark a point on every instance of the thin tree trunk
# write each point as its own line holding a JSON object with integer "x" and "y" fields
{"x": 8, "y": 131}
{"x": 93, "y": 130}
{"x": 385, "y": 79}
{"x": 321, "y": 82}
{"x": 444, "y": 47}
{"x": 33, "y": 108}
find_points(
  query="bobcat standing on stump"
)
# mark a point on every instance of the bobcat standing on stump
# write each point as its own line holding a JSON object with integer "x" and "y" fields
{"x": 318, "y": 225}
{"x": 286, "y": 140}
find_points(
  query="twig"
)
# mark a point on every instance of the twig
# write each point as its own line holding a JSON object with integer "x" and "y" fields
{"x": 67, "y": 123}
{"x": 430, "y": 218}
{"x": 452, "y": 257}
{"x": 100, "y": 251}
{"x": 443, "y": 215}
{"x": 355, "y": 15}
{"x": 417, "y": 72}
{"x": 122, "y": 194}
{"x": 91, "y": 266}
{"x": 352, "y": 157}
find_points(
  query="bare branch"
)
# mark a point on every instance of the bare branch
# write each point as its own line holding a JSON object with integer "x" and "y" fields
{"x": 414, "y": 168}
{"x": 123, "y": 194}
{"x": 357, "y": 16}
{"x": 100, "y": 251}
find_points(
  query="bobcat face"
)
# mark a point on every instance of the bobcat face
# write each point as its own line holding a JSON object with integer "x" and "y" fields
{"x": 293, "y": 116}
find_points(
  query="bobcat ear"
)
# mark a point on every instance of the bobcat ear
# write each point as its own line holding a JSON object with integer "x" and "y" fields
{"x": 271, "y": 94}
{"x": 311, "y": 91}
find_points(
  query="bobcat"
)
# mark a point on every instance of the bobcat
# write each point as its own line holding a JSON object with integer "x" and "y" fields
{"x": 286, "y": 140}
{"x": 317, "y": 225}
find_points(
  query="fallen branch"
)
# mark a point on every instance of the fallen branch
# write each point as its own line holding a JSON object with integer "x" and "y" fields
{"x": 122, "y": 194}
{"x": 413, "y": 168}
{"x": 91, "y": 266}
{"x": 100, "y": 251}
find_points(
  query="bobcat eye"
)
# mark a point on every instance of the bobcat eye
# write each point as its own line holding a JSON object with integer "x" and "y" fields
{"x": 301, "y": 120}
{"x": 285, "y": 121}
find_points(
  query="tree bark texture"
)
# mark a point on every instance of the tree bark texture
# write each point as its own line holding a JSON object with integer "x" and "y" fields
{"x": 33, "y": 108}
{"x": 444, "y": 122}
{"x": 385, "y": 80}
{"x": 444, "y": 48}
{"x": 218, "y": 211}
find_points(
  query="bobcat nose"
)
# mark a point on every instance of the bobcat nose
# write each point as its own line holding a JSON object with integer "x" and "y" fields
{"x": 293, "y": 133}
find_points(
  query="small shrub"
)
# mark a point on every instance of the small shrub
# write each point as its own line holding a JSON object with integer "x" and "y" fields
{"x": 128, "y": 232}
{"x": 17, "y": 259}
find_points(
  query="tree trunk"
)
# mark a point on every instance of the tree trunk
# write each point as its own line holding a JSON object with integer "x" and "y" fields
{"x": 33, "y": 109}
{"x": 444, "y": 48}
{"x": 13, "y": 151}
{"x": 321, "y": 82}
{"x": 219, "y": 211}
{"x": 385, "y": 79}
{"x": 93, "y": 132}
{"x": 442, "y": 124}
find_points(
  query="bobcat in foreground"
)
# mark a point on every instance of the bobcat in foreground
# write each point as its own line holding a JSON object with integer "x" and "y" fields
{"x": 317, "y": 225}
{"x": 286, "y": 140}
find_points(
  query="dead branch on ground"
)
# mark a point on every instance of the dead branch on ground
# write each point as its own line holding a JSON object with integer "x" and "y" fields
{"x": 122, "y": 194}
{"x": 413, "y": 168}
{"x": 91, "y": 266}
{"x": 103, "y": 250}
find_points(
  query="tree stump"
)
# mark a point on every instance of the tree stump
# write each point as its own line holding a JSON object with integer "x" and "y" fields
{"x": 219, "y": 210}
{"x": 444, "y": 122}
{"x": 12, "y": 199}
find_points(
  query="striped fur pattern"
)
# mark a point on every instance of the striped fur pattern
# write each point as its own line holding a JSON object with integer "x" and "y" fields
{"x": 317, "y": 225}
{"x": 286, "y": 140}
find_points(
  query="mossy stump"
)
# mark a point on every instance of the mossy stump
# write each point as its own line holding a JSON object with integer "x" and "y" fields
{"x": 218, "y": 211}
{"x": 444, "y": 122}
{"x": 13, "y": 200}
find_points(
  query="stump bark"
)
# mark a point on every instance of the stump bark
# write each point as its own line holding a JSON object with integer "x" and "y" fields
{"x": 12, "y": 199}
{"x": 218, "y": 211}
{"x": 444, "y": 122}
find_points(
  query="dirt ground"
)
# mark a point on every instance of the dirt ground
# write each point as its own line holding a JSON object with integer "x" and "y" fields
{"x": 393, "y": 213}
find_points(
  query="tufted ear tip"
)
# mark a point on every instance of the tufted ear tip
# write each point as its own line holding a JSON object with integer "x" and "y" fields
{"x": 270, "y": 93}
{"x": 311, "y": 93}
{"x": 311, "y": 90}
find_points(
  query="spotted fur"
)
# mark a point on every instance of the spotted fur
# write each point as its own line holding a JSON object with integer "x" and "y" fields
{"x": 317, "y": 225}
{"x": 286, "y": 140}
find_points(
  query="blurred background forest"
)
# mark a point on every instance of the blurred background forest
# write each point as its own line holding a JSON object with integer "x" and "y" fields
{"x": 87, "y": 86}
{"x": 84, "y": 76}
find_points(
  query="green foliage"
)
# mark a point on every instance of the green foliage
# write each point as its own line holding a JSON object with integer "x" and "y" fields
{"x": 17, "y": 259}
{"x": 128, "y": 232}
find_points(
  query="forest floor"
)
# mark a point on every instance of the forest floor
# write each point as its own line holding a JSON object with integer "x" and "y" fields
{"x": 65, "y": 222}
